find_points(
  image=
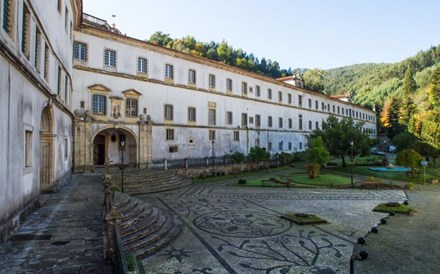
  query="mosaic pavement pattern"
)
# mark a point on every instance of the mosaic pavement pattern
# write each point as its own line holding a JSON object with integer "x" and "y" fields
{"x": 239, "y": 229}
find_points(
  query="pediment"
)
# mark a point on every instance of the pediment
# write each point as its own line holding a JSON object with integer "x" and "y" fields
{"x": 99, "y": 87}
{"x": 131, "y": 92}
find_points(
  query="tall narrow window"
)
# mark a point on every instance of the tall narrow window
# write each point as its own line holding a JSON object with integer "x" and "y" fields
{"x": 280, "y": 96}
{"x": 257, "y": 120}
{"x": 59, "y": 80}
{"x": 244, "y": 119}
{"x": 169, "y": 71}
{"x": 269, "y": 146}
{"x": 212, "y": 135}
{"x": 28, "y": 149}
{"x": 169, "y": 134}
{"x": 46, "y": 62}
{"x": 25, "y": 34}
{"x": 310, "y": 103}
{"x": 110, "y": 58}
{"x": 280, "y": 146}
{"x": 257, "y": 91}
{"x": 244, "y": 88}
{"x": 269, "y": 121}
{"x": 236, "y": 135}
{"x": 300, "y": 100}
{"x": 131, "y": 107}
{"x": 191, "y": 114}
{"x": 211, "y": 117}
{"x": 192, "y": 77}
{"x": 228, "y": 84}
{"x": 142, "y": 65}
{"x": 316, "y": 125}
{"x": 66, "y": 19}
{"x": 99, "y": 104}
{"x": 66, "y": 148}
{"x": 289, "y": 98}
{"x": 80, "y": 51}
{"x": 316, "y": 104}
{"x": 290, "y": 123}
{"x": 211, "y": 81}
{"x": 8, "y": 16}
{"x": 168, "y": 112}
{"x": 280, "y": 122}
{"x": 229, "y": 118}
{"x": 310, "y": 125}
{"x": 37, "y": 49}
{"x": 59, "y": 6}
{"x": 66, "y": 89}
{"x": 300, "y": 122}
{"x": 269, "y": 94}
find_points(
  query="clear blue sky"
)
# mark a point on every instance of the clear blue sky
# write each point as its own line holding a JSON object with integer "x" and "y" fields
{"x": 306, "y": 34}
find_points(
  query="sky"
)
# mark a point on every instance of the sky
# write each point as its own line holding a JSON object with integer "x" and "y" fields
{"x": 298, "y": 34}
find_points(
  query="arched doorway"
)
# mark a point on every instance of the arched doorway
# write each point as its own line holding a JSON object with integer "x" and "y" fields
{"x": 47, "y": 139}
{"x": 107, "y": 145}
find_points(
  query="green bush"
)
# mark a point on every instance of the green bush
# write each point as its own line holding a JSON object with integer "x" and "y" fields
{"x": 242, "y": 181}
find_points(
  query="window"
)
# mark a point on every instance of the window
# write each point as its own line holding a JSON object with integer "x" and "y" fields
{"x": 66, "y": 19}
{"x": 289, "y": 146}
{"x": 99, "y": 104}
{"x": 257, "y": 142}
{"x": 192, "y": 77}
{"x": 257, "y": 120}
{"x": 269, "y": 94}
{"x": 280, "y": 146}
{"x": 280, "y": 96}
{"x": 300, "y": 145}
{"x": 211, "y": 117}
{"x": 212, "y": 135}
{"x": 236, "y": 135}
{"x": 131, "y": 107}
{"x": 142, "y": 65}
{"x": 37, "y": 49}
{"x": 66, "y": 148}
{"x": 80, "y": 51}
{"x": 244, "y": 119}
{"x": 46, "y": 62}
{"x": 339, "y": 109}
{"x": 243, "y": 88}
{"x": 25, "y": 34}
{"x": 59, "y": 80}
{"x": 110, "y": 58}
{"x": 59, "y": 6}
{"x": 269, "y": 121}
{"x": 290, "y": 123}
{"x": 228, "y": 84}
{"x": 66, "y": 89}
{"x": 173, "y": 149}
{"x": 280, "y": 122}
{"x": 328, "y": 107}
{"x": 229, "y": 118}
{"x": 310, "y": 103}
{"x": 310, "y": 125}
{"x": 300, "y": 100}
{"x": 316, "y": 125}
{"x": 8, "y": 16}
{"x": 334, "y": 110}
{"x": 289, "y": 98}
{"x": 322, "y": 106}
{"x": 169, "y": 134}
{"x": 316, "y": 104}
{"x": 191, "y": 114}
{"x": 169, "y": 71}
{"x": 28, "y": 149}
{"x": 251, "y": 90}
{"x": 269, "y": 146}
{"x": 300, "y": 122}
{"x": 251, "y": 120}
{"x": 257, "y": 91}
{"x": 211, "y": 81}
{"x": 168, "y": 112}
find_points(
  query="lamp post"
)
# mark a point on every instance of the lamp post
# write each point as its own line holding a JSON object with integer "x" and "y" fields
{"x": 352, "y": 161}
{"x": 213, "y": 157}
{"x": 122, "y": 143}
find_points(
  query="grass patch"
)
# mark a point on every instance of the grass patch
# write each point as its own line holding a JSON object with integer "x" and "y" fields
{"x": 265, "y": 182}
{"x": 401, "y": 208}
{"x": 323, "y": 180}
{"x": 303, "y": 219}
{"x": 244, "y": 175}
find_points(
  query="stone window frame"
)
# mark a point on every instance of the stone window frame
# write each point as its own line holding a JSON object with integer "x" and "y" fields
{"x": 26, "y": 31}
{"x": 169, "y": 72}
{"x": 257, "y": 91}
{"x": 110, "y": 58}
{"x": 244, "y": 88}
{"x": 211, "y": 134}
{"x": 257, "y": 120}
{"x": 280, "y": 96}
{"x": 212, "y": 121}
{"x": 8, "y": 18}
{"x": 236, "y": 135}
{"x": 170, "y": 134}
{"x": 211, "y": 81}
{"x": 142, "y": 65}
{"x": 131, "y": 95}
{"x": 28, "y": 147}
{"x": 229, "y": 117}
{"x": 192, "y": 115}
{"x": 168, "y": 112}
{"x": 269, "y": 94}
{"x": 99, "y": 90}
{"x": 80, "y": 51}
{"x": 244, "y": 119}
{"x": 192, "y": 77}
{"x": 229, "y": 85}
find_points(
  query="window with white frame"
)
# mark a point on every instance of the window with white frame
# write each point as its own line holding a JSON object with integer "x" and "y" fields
{"x": 131, "y": 107}
{"x": 142, "y": 65}
{"x": 99, "y": 104}
{"x": 229, "y": 119}
{"x": 257, "y": 142}
{"x": 59, "y": 77}
{"x": 80, "y": 51}
{"x": 192, "y": 78}
{"x": 228, "y": 84}
{"x": 169, "y": 71}
{"x": 110, "y": 58}
{"x": 168, "y": 112}
{"x": 169, "y": 134}
{"x": 211, "y": 81}
{"x": 191, "y": 114}
{"x": 211, "y": 117}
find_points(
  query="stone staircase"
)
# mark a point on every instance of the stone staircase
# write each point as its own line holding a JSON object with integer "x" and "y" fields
{"x": 144, "y": 228}
{"x": 142, "y": 181}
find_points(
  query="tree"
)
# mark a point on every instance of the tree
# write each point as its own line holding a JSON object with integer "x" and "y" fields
{"x": 409, "y": 88}
{"x": 338, "y": 135}
{"x": 237, "y": 157}
{"x": 316, "y": 155}
{"x": 159, "y": 38}
{"x": 313, "y": 79}
{"x": 259, "y": 154}
{"x": 409, "y": 158}
{"x": 389, "y": 117}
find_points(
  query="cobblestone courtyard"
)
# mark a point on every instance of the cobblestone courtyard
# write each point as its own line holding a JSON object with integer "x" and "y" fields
{"x": 239, "y": 230}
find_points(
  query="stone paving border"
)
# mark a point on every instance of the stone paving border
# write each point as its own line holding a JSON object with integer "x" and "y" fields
{"x": 65, "y": 235}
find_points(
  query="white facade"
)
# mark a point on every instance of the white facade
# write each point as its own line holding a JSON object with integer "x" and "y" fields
{"x": 35, "y": 95}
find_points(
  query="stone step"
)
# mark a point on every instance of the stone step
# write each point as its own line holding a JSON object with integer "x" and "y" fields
{"x": 138, "y": 223}
{"x": 144, "y": 232}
